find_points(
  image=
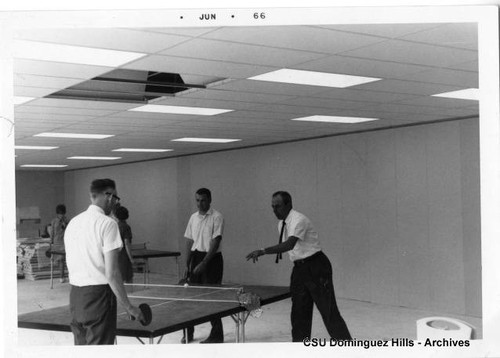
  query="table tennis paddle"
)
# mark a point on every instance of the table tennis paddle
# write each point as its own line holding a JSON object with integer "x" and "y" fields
{"x": 146, "y": 312}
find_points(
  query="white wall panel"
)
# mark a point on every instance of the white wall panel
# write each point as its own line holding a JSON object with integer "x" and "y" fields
{"x": 413, "y": 217}
{"x": 446, "y": 270}
{"x": 397, "y": 210}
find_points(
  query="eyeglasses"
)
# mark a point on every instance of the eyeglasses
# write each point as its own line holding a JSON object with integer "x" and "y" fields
{"x": 116, "y": 197}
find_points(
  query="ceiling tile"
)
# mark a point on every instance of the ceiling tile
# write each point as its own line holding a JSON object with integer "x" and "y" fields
{"x": 57, "y": 69}
{"x": 257, "y": 114}
{"x": 383, "y": 30}
{"x": 183, "y": 31}
{"x": 37, "y": 116}
{"x": 150, "y": 117}
{"x": 447, "y": 76}
{"x": 437, "y": 102}
{"x": 296, "y": 110}
{"x": 403, "y": 109}
{"x": 461, "y": 112}
{"x": 215, "y": 93}
{"x": 240, "y": 53}
{"x": 184, "y": 65}
{"x": 362, "y": 67}
{"x": 270, "y": 88}
{"x": 364, "y": 95}
{"x": 329, "y": 103}
{"x": 73, "y": 103}
{"x": 414, "y": 53}
{"x": 408, "y": 87}
{"x": 295, "y": 37}
{"x": 453, "y": 35}
{"x": 36, "y": 92}
{"x": 33, "y": 108}
{"x": 44, "y": 81}
{"x": 109, "y": 38}
{"x": 130, "y": 121}
{"x": 472, "y": 66}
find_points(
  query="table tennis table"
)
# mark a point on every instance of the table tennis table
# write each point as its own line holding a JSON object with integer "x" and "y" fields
{"x": 174, "y": 308}
{"x": 144, "y": 254}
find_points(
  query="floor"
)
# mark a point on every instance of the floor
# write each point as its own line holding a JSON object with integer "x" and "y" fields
{"x": 365, "y": 320}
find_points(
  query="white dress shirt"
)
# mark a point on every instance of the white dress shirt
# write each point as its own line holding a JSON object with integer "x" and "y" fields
{"x": 87, "y": 238}
{"x": 300, "y": 226}
{"x": 203, "y": 228}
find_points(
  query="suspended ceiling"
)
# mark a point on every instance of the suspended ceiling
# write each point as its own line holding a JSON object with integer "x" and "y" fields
{"x": 411, "y": 61}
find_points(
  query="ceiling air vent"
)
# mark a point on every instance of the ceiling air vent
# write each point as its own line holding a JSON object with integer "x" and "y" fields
{"x": 127, "y": 86}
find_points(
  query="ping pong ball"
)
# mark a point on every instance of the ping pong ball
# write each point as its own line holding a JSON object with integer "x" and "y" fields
{"x": 186, "y": 285}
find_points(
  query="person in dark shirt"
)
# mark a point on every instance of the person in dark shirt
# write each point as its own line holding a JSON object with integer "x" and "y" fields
{"x": 125, "y": 259}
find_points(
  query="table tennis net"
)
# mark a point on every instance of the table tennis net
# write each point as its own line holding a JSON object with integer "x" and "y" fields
{"x": 249, "y": 300}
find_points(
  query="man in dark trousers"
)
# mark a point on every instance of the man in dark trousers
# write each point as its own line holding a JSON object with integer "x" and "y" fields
{"x": 93, "y": 246}
{"x": 311, "y": 280}
{"x": 203, "y": 254}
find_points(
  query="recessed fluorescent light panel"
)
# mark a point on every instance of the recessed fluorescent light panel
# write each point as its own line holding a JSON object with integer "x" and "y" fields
{"x": 43, "y": 166}
{"x": 142, "y": 150}
{"x": 73, "y": 135}
{"x": 95, "y": 158}
{"x": 312, "y": 78}
{"x": 34, "y": 147}
{"x": 20, "y": 100}
{"x": 334, "y": 119}
{"x": 205, "y": 140}
{"x": 73, "y": 54}
{"x": 469, "y": 93}
{"x": 198, "y": 111}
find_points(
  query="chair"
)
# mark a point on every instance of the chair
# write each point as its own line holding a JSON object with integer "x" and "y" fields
{"x": 140, "y": 265}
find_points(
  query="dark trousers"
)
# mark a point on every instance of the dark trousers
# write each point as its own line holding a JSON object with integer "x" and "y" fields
{"x": 311, "y": 282}
{"x": 212, "y": 275}
{"x": 93, "y": 313}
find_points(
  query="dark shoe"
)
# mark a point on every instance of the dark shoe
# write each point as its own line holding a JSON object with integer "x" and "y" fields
{"x": 213, "y": 340}
{"x": 183, "y": 339}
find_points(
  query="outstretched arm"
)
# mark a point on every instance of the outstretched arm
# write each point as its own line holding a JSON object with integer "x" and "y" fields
{"x": 285, "y": 246}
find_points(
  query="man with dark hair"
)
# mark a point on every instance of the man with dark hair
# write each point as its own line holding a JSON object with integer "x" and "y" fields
{"x": 204, "y": 263}
{"x": 311, "y": 280}
{"x": 93, "y": 245}
{"x": 56, "y": 233}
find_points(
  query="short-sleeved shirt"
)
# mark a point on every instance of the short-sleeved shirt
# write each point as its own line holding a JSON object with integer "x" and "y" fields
{"x": 203, "y": 228}
{"x": 298, "y": 225}
{"x": 88, "y": 237}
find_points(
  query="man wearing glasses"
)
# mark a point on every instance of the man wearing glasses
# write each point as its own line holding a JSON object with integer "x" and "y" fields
{"x": 93, "y": 245}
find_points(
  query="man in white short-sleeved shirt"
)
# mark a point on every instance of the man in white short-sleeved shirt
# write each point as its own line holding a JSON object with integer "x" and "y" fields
{"x": 311, "y": 281}
{"x": 204, "y": 263}
{"x": 92, "y": 241}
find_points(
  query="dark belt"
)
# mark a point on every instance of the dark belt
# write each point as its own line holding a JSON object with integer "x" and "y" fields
{"x": 308, "y": 258}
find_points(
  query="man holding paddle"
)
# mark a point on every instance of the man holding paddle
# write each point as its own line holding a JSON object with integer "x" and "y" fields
{"x": 204, "y": 262}
{"x": 93, "y": 245}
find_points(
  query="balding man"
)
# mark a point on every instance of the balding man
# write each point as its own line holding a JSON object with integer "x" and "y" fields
{"x": 311, "y": 280}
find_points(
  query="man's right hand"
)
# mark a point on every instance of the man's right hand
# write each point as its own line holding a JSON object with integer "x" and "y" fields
{"x": 136, "y": 313}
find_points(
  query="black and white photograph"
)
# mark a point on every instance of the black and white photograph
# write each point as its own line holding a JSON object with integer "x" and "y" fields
{"x": 217, "y": 180}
